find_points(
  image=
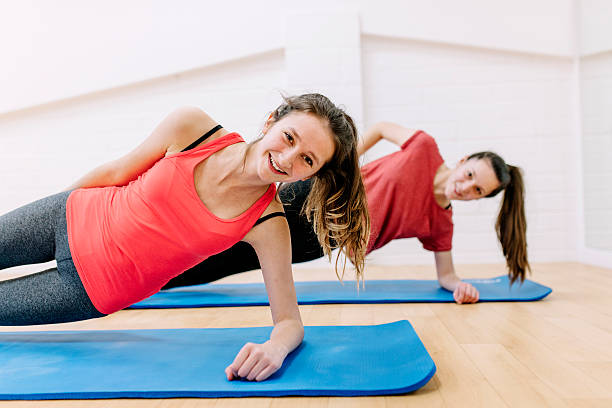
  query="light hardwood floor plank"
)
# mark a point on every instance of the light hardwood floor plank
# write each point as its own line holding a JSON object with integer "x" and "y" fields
{"x": 510, "y": 378}
{"x": 461, "y": 383}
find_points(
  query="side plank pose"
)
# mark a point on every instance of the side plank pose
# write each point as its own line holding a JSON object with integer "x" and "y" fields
{"x": 409, "y": 194}
{"x": 129, "y": 226}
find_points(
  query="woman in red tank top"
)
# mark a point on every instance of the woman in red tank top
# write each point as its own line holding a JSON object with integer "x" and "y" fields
{"x": 131, "y": 225}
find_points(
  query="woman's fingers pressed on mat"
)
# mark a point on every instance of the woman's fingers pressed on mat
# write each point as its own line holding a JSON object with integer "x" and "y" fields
{"x": 466, "y": 293}
{"x": 232, "y": 370}
{"x": 256, "y": 362}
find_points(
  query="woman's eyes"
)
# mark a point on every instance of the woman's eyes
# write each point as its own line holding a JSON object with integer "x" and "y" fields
{"x": 290, "y": 139}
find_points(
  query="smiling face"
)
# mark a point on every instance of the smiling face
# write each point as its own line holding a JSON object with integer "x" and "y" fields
{"x": 295, "y": 147}
{"x": 470, "y": 180}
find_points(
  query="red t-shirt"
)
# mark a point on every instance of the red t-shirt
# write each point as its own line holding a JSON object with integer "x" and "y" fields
{"x": 399, "y": 190}
{"x": 127, "y": 242}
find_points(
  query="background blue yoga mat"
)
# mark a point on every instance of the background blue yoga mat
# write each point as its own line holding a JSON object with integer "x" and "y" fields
{"x": 332, "y": 360}
{"x": 376, "y": 291}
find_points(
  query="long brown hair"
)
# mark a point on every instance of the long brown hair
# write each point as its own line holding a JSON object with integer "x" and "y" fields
{"x": 511, "y": 225}
{"x": 336, "y": 204}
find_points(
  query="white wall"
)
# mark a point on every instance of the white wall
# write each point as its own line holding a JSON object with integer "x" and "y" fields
{"x": 595, "y": 30}
{"x": 66, "y": 48}
{"x": 533, "y": 26}
{"x": 87, "y": 82}
{"x": 471, "y": 100}
{"x": 595, "y": 80}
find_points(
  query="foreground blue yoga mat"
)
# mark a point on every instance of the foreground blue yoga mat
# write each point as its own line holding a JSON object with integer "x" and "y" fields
{"x": 332, "y": 360}
{"x": 376, "y": 291}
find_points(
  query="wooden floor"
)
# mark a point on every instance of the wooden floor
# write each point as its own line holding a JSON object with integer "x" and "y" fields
{"x": 556, "y": 352}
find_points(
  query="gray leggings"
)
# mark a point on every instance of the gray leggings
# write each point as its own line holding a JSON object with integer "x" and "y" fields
{"x": 37, "y": 233}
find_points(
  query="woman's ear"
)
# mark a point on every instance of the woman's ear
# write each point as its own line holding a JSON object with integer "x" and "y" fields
{"x": 269, "y": 123}
{"x": 462, "y": 160}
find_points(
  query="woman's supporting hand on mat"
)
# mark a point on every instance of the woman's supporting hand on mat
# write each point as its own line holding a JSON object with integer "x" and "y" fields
{"x": 463, "y": 292}
{"x": 256, "y": 362}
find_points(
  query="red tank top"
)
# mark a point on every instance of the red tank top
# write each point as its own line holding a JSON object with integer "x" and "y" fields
{"x": 127, "y": 242}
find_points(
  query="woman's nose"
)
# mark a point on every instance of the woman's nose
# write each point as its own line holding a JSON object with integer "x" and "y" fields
{"x": 287, "y": 157}
{"x": 460, "y": 188}
{"x": 466, "y": 187}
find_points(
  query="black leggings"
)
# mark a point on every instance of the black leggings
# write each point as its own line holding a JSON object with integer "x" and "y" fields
{"x": 242, "y": 257}
{"x": 37, "y": 233}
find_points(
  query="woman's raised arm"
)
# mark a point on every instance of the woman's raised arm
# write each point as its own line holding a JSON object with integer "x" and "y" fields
{"x": 392, "y": 132}
{"x": 176, "y": 131}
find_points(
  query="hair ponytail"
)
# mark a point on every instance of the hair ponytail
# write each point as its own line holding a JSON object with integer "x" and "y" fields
{"x": 511, "y": 225}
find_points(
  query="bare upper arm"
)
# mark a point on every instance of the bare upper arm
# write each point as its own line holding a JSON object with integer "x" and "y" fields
{"x": 172, "y": 134}
{"x": 395, "y": 133}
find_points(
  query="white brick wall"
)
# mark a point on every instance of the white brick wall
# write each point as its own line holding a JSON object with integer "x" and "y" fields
{"x": 65, "y": 48}
{"x": 323, "y": 54}
{"x": 594, "y": 30}
{"x": 470, "y": 100}
{"x": 596, "y": 81}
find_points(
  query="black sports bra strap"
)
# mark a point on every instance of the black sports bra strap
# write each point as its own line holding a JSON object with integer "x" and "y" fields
{"x": 271, "y": 215}
{"x": 202, "y": 138}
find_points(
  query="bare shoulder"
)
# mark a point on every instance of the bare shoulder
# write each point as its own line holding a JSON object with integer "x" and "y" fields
{"x": 186, "y": 124}
{"x": 270, "y": 229}
{"x": 190, "y": 116}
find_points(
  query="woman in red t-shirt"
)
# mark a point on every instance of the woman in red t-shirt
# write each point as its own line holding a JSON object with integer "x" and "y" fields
{"x": 409, "y": 194}
{"x": 430, "y": 191}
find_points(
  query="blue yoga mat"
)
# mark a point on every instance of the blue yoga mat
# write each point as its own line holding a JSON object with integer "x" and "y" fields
{"x": 320, "y": 292}
{"x": 332, "y": 360}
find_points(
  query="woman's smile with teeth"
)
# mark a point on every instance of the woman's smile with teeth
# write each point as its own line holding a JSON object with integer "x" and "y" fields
{"x": 274, "y": 165}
